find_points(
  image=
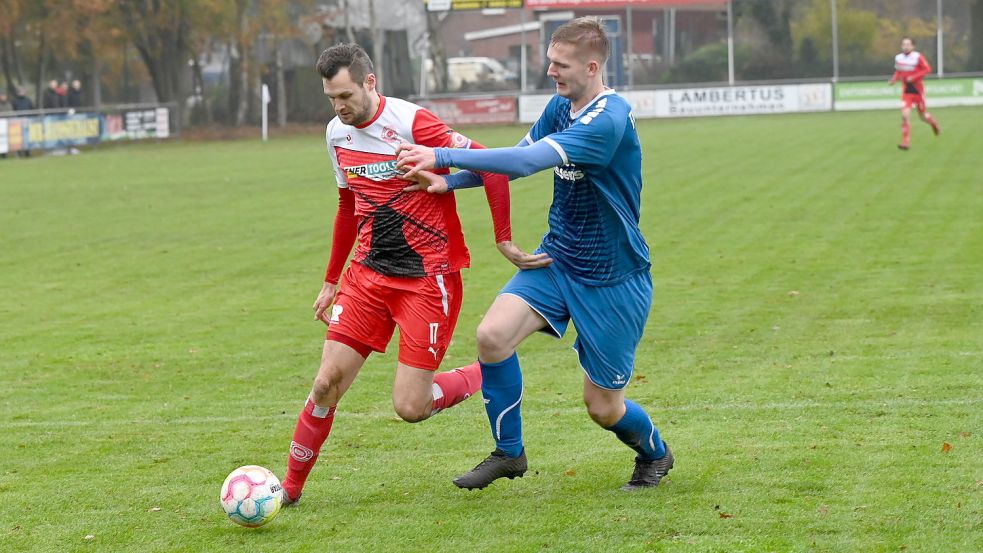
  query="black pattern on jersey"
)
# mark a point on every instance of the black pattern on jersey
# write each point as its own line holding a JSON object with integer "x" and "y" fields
{"x": 910, "y": 88}
{"x": 392, "y": 231}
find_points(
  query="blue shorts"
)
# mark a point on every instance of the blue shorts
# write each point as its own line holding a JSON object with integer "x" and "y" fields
{"x": 609, "y": 319}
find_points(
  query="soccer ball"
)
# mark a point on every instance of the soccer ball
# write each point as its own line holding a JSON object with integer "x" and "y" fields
{"x": 251, "y": 496}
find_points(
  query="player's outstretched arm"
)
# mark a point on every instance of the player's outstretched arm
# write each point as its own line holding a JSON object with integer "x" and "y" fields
{"x": 514, "y": 162}
{"x": 471, "y": 179}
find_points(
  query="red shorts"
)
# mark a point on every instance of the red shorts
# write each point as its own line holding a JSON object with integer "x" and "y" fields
{"x": 913, "y": 100}
{"x": 369, "y": 306}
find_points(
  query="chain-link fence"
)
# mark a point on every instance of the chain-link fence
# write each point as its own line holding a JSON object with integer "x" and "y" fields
{"x": 436, "y": 48}
{"x": 666, "y": 42}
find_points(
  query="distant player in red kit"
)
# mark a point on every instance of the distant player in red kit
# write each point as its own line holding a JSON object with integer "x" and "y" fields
{"x": 405, "y": 272}
{"x": 910, "y": 67}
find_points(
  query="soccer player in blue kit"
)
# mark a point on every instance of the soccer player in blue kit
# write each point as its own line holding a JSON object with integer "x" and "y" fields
{"x": 599, "y": 275}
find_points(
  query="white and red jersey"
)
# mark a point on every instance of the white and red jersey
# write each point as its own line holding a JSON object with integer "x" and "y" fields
{"x": 402, "y": 234}
{"x": 911, "y": 70}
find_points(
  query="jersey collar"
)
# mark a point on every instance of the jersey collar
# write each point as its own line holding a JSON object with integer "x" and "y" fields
{"x": 378, "y": 112}
{"x": 578, "y": 113}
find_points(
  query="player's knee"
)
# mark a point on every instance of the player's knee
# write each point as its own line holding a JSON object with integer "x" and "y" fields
{"x": 410, "y": 411}
{"x": 602, "y": 413}
{"x": 492, "y": 342}
{"x": 327, "y": 384}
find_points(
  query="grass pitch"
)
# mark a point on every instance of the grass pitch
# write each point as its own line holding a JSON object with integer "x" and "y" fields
{"x": 814, "y": 354}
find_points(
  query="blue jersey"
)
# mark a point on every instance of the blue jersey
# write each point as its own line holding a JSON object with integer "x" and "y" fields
{"x": 593, "y": 223}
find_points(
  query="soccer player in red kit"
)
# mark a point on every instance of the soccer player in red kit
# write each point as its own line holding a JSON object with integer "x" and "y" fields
{"x": 406, "y": 268}
{"x": 910, "y": 67}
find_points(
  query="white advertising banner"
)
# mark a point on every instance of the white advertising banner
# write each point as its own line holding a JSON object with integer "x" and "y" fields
{"x": 163, "y": 130}
{"x": 700, "y": 102}
{"x": 642, "y": 103}
{"x": 743, "y": 100}
{"x": 3, "y": 136}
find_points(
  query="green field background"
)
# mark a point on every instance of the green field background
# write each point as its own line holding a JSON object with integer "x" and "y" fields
{"x": 814, "y": 353}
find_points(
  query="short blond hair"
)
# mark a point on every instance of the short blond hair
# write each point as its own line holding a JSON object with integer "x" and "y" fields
{"x": 587, "y": 34}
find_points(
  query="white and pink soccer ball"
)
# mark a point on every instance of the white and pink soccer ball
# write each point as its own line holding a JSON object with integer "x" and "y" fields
{"x": 251, "y": 496}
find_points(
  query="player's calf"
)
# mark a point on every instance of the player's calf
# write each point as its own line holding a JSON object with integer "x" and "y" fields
{"x": 454, "y": 386}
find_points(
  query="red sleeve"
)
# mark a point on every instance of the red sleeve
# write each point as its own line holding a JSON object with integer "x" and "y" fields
{"x": 429, "y": 130}
{"x": 923, "y": 69}
{"x": 497, "y": 193}
{"x": 345, "y": 232}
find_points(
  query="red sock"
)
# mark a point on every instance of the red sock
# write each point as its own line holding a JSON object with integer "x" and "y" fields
{"x": 313, "y": 427}
{"x": 931, "y": 121}
{"x": 905, "y": 133}
{"x": 454, "y": 386}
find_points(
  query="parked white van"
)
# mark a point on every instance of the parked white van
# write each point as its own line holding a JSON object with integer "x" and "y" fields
{"x": 476, "y": 71}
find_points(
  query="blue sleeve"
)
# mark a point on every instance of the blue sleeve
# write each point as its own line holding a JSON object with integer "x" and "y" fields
{"x": 518, "y": 161}
{"x": 463, "y": 179}
{"x": 592, "y": 138}
{"x": 468, "y": 179}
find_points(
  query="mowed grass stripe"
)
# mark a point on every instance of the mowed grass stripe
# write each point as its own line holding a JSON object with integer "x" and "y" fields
{"x": 890, "y": 403}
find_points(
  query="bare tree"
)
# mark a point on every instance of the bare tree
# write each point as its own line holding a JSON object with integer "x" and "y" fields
{"x": 159, "y": 31}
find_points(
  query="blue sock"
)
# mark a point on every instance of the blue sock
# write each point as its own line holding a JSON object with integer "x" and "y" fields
{"x": 636, "y": 430}
{"x": 501, "y": 386}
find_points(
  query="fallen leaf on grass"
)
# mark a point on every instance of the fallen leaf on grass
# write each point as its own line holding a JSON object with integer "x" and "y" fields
{"x": 154, "y": 509}
{"x": 965, "y": 434}
{"x": 793, "y": 293}
{"x": 571, "y": 472}
{"x": 946, "y": 447}
{"x": 90, "y": 537}
{"x": 823, "y": 510}
{"x": 721, "y": 513}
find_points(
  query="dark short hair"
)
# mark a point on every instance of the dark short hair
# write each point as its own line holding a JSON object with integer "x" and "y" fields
{"x": 585, "y": 33}
{"x": 346, "y": 54}
{"x": 904, "y": 38}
